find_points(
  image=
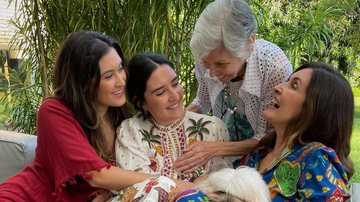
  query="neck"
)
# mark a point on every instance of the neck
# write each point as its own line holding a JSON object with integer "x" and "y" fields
{"x": 101, "y": 111}
{"x": 167, "y": 122}
{"x": 241, "y": 73}
{"x": 280, "y": 141}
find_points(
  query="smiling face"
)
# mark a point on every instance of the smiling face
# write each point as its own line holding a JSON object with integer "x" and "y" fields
{"x": 164, "y": 96}
{"x": 112, "y": 81}
{"x": 223, "y": 65}
{"x": 288, "y": 99}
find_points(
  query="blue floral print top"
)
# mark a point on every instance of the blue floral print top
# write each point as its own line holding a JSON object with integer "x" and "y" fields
{"x": 305, "y": 173}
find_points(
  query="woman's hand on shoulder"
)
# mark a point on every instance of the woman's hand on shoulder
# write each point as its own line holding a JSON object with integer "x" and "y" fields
{"x": 193, "y": 108}
{"x": 195, "y": 156}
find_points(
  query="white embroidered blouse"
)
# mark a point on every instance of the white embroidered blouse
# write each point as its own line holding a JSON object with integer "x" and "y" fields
{"x": 144, "y": 146}
{"x": 266, "y": 67}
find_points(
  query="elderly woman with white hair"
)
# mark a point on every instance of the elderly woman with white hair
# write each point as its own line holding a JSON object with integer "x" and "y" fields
{"x": 236, "y": 74}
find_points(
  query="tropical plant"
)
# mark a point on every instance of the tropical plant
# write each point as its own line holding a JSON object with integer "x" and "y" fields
{"x": 305, "y": 30}
{"x": 198, "y": 128}
{"x": 149, "y": 137}
{"x": 140, "y": 26}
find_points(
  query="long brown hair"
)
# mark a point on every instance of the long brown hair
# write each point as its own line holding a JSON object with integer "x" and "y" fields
{"x": 76, "y": 83}
{"x": 326, "y": 116}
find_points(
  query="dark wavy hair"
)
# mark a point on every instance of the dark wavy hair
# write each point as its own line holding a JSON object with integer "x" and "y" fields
{"x": 76, "y": 83}
{"x": 139, "y": 69}
{"x": 327, "y": 114}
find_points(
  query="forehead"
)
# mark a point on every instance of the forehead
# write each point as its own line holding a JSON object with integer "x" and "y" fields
{"x": 219, "y": 53}
{"x": 304, "y": 75}
{"x": 109, "y": 60}
{"x": 161, "y": 75}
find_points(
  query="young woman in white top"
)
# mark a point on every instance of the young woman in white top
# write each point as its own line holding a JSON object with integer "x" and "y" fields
{"x": 151, "y": 141}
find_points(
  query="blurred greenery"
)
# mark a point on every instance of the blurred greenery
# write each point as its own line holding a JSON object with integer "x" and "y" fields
{"x": 306, "y": 30}
{"x": 355, "y": 146}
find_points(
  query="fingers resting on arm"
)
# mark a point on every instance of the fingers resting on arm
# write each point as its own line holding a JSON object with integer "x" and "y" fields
{"x": 193, "y": 108}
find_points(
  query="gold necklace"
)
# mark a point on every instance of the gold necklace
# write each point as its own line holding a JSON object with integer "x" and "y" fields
{"x": 274, "y": 162}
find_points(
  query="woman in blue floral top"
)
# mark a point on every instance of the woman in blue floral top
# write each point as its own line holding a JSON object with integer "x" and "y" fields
{"x": 307, "y": 157}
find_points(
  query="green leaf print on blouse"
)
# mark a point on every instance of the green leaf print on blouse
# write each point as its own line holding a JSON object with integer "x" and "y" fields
{"x": 198, "y": 128}
{"x": 287, "y": 175}
{"x": 152, "y": 140}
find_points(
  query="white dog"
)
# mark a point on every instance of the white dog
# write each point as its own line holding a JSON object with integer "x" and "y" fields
{"x": 235, "y": 185}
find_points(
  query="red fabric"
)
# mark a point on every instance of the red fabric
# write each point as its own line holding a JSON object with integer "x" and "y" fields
{"x": 62, "y": 152}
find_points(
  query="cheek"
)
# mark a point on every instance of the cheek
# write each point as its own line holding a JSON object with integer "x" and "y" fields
{"x": 230, "y": 70}
{"x": 123, "y": 75}
{"x": 296, "y": 107}
{"x": 181, "y": 91}
{"x": 154, "y": 103}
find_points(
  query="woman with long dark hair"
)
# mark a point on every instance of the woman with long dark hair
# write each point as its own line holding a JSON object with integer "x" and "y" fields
{"x": 307, "y": 157}
{"x": 74, "y": 158}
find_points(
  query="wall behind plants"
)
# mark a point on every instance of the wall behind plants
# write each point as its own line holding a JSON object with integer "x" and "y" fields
{"x": 164, "y": 26}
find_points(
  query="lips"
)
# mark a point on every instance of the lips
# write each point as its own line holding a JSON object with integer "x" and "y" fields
{"x": 220, "y": 76}
{"x": 119, "y": 92}
{"x": 275, "y": 103}
{"x": 174, "y": 106}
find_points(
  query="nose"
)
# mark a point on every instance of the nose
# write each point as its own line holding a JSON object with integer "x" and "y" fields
{"x": 212, "y": 70}
{"x": 120, "y": 79}
{"x": 173, "y": 94}
{"x": 278, "y": 88}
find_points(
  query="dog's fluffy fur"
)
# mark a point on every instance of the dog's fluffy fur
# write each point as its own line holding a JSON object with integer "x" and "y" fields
{"x": 241, "y": 184}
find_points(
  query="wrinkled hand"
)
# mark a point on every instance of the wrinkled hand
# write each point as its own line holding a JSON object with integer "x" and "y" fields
{"x": 195, "y": 156}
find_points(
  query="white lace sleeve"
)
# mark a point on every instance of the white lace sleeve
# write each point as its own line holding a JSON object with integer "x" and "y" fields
{"x": 278, "y": 70}
{"x": 221, "y": 134}
{"x": 202, "y": 99}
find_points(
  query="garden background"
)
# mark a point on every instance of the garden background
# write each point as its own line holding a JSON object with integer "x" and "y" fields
{"x": 307, "y": 30}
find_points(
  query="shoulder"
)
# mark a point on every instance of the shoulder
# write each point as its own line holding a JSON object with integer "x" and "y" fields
{"x": 270, "y": 59}
{"x": 266, "y": 47}
{"x": 206, "y": 120}
{"x": 316, "y": 151}
{"x": 267, "y": 52}
{"x": 52, "y": 103}
{"x": 133, "y": 124}
{"x": 197, "y": 116}
{"x": 54, "y": 107}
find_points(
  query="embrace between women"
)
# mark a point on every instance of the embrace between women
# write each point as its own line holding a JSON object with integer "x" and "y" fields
{"x": 75, "y": 153}
{"x": 239, "y": 80}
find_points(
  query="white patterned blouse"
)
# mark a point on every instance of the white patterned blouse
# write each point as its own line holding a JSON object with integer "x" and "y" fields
{"x": 144, "y": 146}
{"x": 266, "y": 67}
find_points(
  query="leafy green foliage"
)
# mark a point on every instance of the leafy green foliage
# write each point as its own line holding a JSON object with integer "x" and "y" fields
{"x": 305, "y": 30}
{"x": 355, "y": 146}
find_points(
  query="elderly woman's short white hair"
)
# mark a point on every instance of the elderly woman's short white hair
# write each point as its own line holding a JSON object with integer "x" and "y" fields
{"x": 244, "y": 184}
{"x": 224, "y": 22}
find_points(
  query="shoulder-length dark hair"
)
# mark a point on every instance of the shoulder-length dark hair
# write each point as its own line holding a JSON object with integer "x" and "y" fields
{"x": 76, "y": 82}
{"x": 139, "y": 70}
{"x": 326, "y": 116}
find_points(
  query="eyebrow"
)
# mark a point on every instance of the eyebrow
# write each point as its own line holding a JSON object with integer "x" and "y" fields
{"x": 222, "y": 62}
{"x": 111, "y": 69}
{"x": 161, "y": 87}
{"x": 296, "y": 79}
